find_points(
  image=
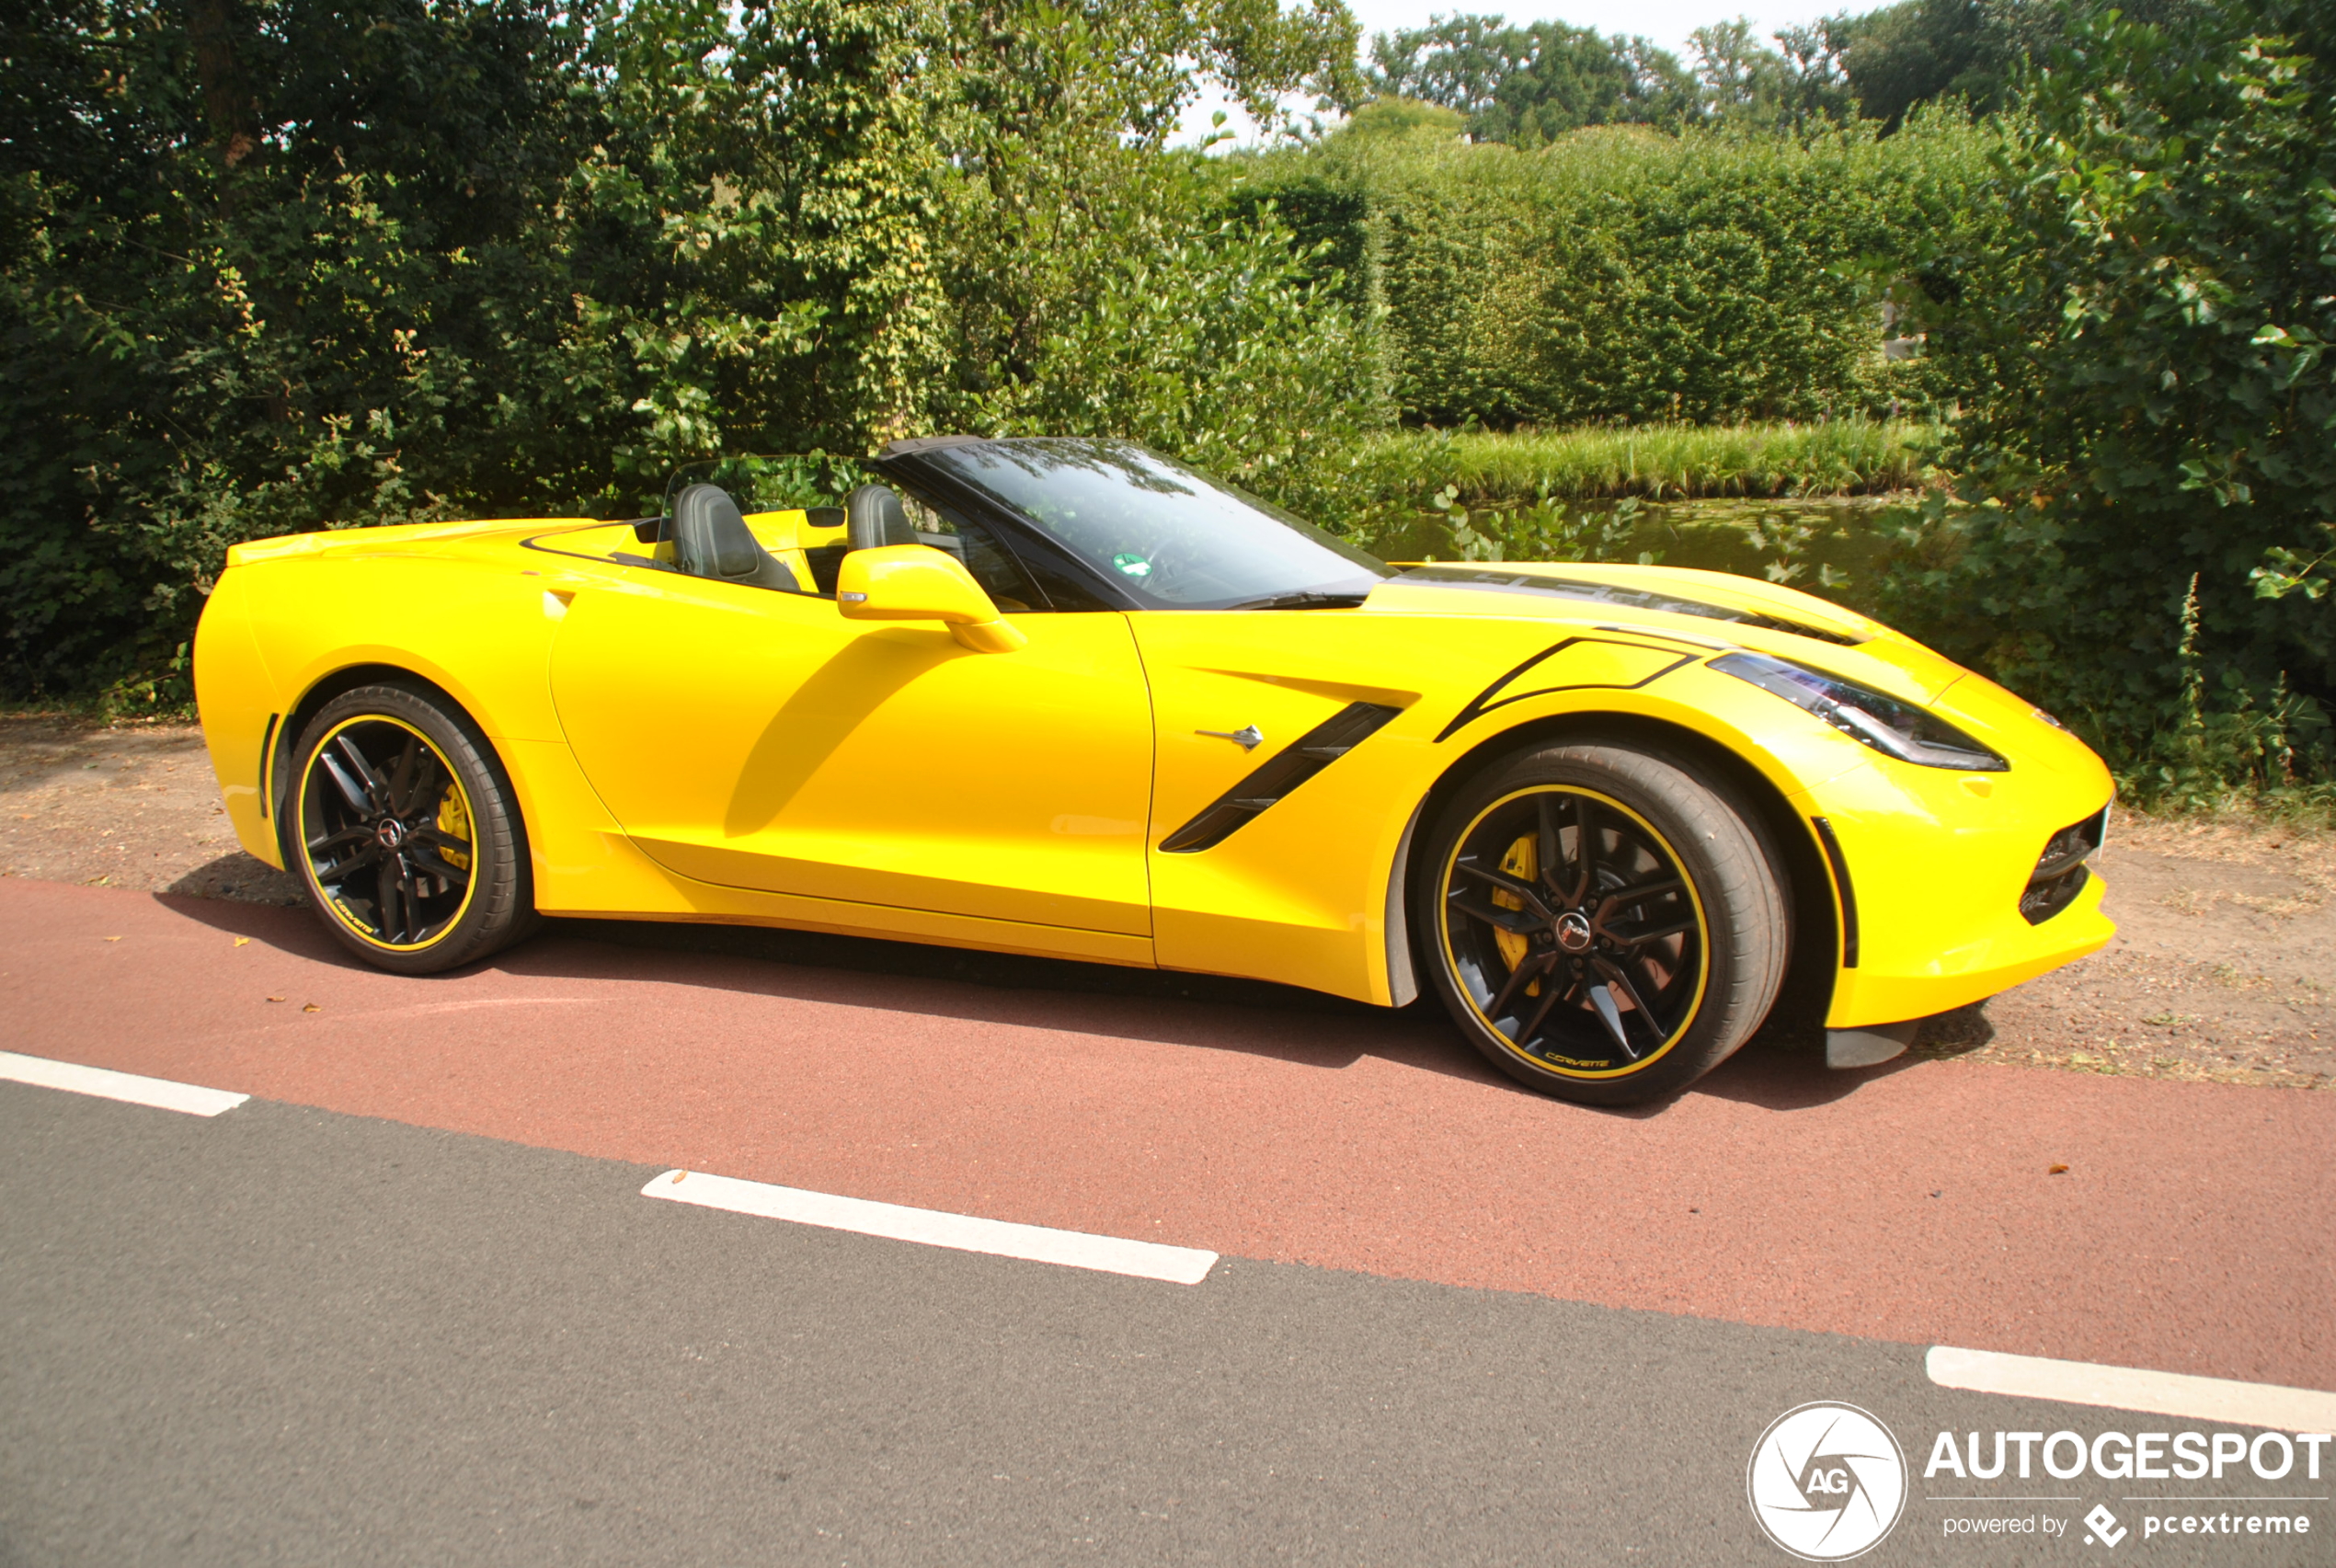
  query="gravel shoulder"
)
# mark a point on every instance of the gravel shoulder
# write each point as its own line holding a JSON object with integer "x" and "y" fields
{"x": 2224, "y": 968}
{"x": 130, "y": 805}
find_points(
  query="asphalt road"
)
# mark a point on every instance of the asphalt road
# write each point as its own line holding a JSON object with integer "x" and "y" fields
{"x": 409, "y": 1306}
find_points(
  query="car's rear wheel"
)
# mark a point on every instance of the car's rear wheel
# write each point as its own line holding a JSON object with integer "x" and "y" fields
{"x": 403, "y": 830}
{"x": 1603, "y": 922}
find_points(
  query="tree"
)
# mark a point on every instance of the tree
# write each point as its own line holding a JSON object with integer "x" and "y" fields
{"x": 1526, "y": 85}
{"x": 1921, "y": 50}
{"x": 1743, "y": 82}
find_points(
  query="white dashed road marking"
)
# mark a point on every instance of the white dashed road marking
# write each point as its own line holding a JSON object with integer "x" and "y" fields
{"x": 2126, "y": 1388}
{"x": 1072, "y": 1249}
{"x": 108, "y": 1084}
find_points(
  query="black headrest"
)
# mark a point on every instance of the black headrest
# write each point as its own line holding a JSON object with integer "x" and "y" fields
{"x": 709, "y": 539}
{"x": 876, "y": 518}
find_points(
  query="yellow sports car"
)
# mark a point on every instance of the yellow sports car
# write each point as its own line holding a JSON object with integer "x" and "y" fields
{"x": 1073, "y": 698}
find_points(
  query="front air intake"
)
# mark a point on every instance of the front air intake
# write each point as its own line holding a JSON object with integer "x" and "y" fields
{"x": 2061, "y": 872}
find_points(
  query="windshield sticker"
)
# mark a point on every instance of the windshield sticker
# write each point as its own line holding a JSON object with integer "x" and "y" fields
{"x": 1132, "y": 564}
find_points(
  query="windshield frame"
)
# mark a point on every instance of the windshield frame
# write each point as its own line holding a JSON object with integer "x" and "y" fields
{"x": 917, "y": 470}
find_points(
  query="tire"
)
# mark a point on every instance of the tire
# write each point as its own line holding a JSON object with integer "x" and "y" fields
{"x": 401, "y": 826}
{"x": 1576, "y": 994}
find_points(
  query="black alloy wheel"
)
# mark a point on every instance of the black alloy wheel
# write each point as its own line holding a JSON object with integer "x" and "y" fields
{"x": 1602, "y": 922}
{"x": 401, "y": 827}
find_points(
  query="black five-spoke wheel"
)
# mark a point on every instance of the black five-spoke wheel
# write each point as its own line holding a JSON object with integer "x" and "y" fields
{"x": 1602, "y": 921}
{"x": 1577, "y": 939}
{"x": 401, "y": 823}
{"x": 387, "y": 828}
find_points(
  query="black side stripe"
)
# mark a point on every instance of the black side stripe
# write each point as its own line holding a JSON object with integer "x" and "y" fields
{"x": 1841, "y": 881}
{"x": 266, "y": 785}
{"x": 1283, "y": 771}
{"x": 1483, "y": 701}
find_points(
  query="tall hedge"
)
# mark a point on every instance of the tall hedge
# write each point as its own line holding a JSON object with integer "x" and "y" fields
{"x": 1620, "y": 274}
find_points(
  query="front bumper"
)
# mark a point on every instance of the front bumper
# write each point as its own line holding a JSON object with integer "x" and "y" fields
{"x": 1938, "y": 864}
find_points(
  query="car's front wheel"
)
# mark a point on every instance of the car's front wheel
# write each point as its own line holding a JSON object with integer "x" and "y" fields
{"x": 403, "y": 831}
{"x": 1602, "y": 922}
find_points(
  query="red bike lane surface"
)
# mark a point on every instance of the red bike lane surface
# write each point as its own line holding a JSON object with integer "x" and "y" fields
{"x": 2190, "y": 1233}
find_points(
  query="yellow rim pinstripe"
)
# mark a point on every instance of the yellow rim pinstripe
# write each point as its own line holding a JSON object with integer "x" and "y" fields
{"x": 453, "y": 805}
{"x": 1695, "y": 900}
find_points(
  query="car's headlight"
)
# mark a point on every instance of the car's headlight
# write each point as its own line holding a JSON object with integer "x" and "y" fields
{"x": 1892, "y": 728}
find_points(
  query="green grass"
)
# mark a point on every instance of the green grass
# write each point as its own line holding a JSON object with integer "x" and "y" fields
{"x": 1842, "y": 457}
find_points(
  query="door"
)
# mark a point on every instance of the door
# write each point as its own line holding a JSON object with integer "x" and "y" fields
{"x": 756, "y": 738}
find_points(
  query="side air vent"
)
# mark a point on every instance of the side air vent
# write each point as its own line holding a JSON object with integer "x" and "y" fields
{"x": 1285, "y": 770}
{"x": 2061, "y": 872}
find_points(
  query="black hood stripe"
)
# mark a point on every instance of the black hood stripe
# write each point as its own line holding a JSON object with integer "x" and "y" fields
{"x": 1484, "y": 701}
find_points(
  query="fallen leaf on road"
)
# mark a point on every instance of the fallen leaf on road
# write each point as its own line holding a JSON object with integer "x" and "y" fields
{"x": 2057, "y": 1171}
{"x": 275, "y": 999}
{"x": 113, "y": 939}
{"x": 312, "y": 1007}
{"x": 243, "y": 941}
{"x": 677, "y": 1177}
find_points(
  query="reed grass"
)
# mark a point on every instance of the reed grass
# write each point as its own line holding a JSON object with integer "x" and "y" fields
{"x": 1839, "y": 457}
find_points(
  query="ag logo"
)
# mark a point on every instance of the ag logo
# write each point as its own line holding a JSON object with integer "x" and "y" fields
{"x": 1827, "y": 1482}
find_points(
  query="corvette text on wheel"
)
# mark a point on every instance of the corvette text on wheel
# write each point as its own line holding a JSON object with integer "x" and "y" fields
{"x": 1071, "y": 698}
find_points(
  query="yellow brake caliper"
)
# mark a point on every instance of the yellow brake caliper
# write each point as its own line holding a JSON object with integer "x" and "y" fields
{"x": 1523, "y": 861}
{"x": 455, "y": 823}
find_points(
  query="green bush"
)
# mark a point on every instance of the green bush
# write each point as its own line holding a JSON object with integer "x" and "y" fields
{"x": 1218, "y": 346}
{"x": 206, "y": 338}
{"x": 2157, "y": 458}
{"x": 293, "y": 264}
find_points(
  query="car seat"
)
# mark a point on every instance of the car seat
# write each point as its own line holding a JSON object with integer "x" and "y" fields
{"x": 712, "y": 540}
{"x": 874, "y": 517}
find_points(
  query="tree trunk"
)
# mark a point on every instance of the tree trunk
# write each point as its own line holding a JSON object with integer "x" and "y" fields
{"x": 229, "y": 107}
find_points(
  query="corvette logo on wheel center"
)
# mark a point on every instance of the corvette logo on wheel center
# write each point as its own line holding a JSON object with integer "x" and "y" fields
{"x": 1827, "y": 1482}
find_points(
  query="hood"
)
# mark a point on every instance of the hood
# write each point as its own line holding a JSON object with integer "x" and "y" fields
{"x": 1711, "y": 609}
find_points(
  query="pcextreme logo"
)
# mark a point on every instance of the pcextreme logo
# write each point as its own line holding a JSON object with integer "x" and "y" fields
{"x": 1827, "y": 1482}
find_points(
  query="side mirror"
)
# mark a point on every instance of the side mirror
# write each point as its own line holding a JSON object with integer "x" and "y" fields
{"x": 916, "y": 582}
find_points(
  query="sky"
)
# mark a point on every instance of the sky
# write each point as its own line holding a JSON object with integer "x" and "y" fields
{"x": 1667, "y": 22}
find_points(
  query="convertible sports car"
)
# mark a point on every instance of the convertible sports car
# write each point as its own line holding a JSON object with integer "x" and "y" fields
{"x": 1072, "y": 698}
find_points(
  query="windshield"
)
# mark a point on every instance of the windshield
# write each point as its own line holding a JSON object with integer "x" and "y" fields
{"x": 1171, "y": 536}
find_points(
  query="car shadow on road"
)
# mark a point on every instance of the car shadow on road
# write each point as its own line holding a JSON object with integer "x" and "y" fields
{"x": 1780, "y": 1069}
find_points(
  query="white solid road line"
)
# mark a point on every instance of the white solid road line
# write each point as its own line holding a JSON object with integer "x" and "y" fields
{"x": 1074, "y": 1249}
{"x": 106, "y": 1084}
{"x": 2126, "y": 1388}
